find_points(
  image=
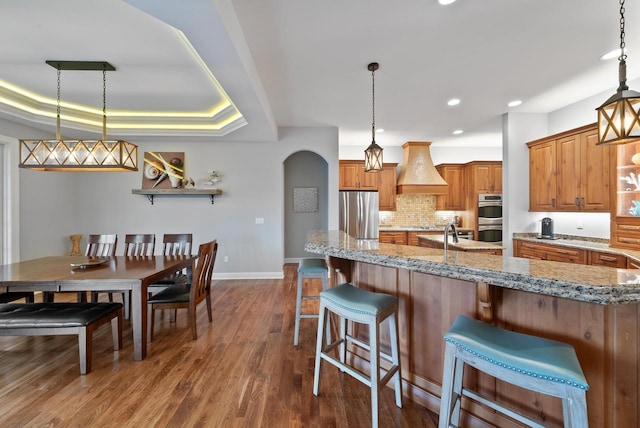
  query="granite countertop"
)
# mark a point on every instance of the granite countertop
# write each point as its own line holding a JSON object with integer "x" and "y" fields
{"x": 579, "y": 242}
{"x": 463, "y": 244}
{"x": 595, "y": 284}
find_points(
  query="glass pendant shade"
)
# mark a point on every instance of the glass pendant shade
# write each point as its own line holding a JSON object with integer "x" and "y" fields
{"x": 373, "y": 157}
{"x": 619, "y": 118}
{"x": 78, "y": 155}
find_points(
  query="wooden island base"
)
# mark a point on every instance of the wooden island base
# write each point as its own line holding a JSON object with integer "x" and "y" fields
{"x": 606, "y": 339}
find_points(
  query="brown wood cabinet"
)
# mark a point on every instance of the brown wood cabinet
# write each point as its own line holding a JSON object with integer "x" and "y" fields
{"x": 412, "y": 236}
{"x": 541, "y": 251}
{"x": 398, "y": 237}
{"x": 625, "y": 196}
{"x": 453, "y": 174}
{"x": 568, "y": 172}
{"x": 600, "y": 258}
{"x": 485, "y": 176}
{"x": 353, "y": 177}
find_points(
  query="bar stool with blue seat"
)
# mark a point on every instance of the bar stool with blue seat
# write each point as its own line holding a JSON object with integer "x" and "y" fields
{"x": 361, "y": 306}
{"x": 534, "y": 363}
{"x": 308, "y": 268}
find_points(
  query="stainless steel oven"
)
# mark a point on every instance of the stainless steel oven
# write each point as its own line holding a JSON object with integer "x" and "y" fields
{"x": 490, "y": 218}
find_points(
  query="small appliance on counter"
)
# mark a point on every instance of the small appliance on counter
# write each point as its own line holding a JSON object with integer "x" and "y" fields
{"x": 546, "y": 229}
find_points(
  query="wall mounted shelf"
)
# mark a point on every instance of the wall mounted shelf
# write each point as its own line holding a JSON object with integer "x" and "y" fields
{"x": 150, "y": 193}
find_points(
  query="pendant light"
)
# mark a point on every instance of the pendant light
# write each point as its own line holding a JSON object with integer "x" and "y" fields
{"x": 373, "y": 154}
{"x": 619, "y": 116}
{"x": 80, "y": 155}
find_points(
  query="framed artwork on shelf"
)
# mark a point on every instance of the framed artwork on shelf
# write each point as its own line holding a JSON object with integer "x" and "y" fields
{"x": 163, "y": 170}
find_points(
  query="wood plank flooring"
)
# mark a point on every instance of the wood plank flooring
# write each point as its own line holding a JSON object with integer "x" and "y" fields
{"x": 243, "y": 371}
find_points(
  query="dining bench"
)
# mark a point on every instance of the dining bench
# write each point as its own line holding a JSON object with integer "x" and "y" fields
{"x": 44, "y": 319}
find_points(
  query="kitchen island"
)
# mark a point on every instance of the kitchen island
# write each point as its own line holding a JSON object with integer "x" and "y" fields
{"x": 595, "y": 309}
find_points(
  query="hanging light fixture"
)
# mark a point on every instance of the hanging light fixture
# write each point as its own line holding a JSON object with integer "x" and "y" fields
{"x": 619, "y": 116}
{"x": 80, "y": 155}
{"x": 373, "y": 154}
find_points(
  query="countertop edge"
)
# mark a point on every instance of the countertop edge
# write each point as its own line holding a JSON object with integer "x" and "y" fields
{"x": 593, "y": 284}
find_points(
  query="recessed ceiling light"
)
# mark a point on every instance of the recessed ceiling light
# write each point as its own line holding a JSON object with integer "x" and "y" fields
{"x": 458, "y": 132}
{"x": 453, "y": 102}
{"x": 379, "y": 130}
{"x": 445, "y": 2}
{"x": 612, "y": 54}
{"x": 514, "y": 103}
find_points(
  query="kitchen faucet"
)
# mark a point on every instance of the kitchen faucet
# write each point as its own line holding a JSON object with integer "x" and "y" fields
{"x": 451, "y": 225}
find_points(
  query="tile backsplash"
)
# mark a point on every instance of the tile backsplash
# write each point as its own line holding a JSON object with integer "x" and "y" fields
{"x": 415, "y": 210}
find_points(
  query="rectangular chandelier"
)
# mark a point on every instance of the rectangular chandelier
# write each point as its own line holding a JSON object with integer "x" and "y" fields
{"x": 77, "y": 155}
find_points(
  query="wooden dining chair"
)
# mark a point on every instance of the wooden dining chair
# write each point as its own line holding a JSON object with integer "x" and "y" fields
{"x": 135, "y": 245}
{"x": 142, "y": 244}
{"x": 188, "y": 296}
{"x": 101, "y": 245}
{"x": 173, "y": 244}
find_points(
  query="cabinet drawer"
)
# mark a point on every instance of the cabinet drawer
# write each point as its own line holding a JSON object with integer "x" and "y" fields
{"x": 412, "y": 237}
{"x": 607, "y": 259}
{"x": 552, "y": 252}
{"x": 393, "y": 237}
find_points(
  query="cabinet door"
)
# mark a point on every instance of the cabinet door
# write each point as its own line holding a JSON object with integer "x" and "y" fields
{"x": 542, "y": 177}
{"x": 482, "y": 178}
{"x": 497, "y": 178}
{"x": 594, "y": 172}
{"x": 387, "y": 187}
{"x": 368, "y": 180}
{"x": 349, "y": 176}
{"x": 392, "y": 237}
{"x": 454, "y": 176}
{"x": 568, "y": 193}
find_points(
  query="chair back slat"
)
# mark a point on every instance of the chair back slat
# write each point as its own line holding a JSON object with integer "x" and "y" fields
{"x": 177, "y": 244}
{"x": 101, "y": 245}
{"x": 139, "y": 244}
{"x": 203, "y": 272}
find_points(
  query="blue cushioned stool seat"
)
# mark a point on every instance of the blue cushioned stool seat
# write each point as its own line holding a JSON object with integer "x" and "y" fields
{"x": 357, "y": 300}
{"x": 354, "y": 304}
{"x": 308, "y": 269}
{"x": 312, "y": 266}
{"x": 543, "y": 365}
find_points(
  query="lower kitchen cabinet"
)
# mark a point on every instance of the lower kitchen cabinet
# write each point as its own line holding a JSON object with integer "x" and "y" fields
{"x": 607, "y": 259}
{"x": 398, "y": 237}
{"x": 556, "y": 253}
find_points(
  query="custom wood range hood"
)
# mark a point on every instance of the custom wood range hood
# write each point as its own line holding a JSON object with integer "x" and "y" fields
{"x": 418, "y": 174}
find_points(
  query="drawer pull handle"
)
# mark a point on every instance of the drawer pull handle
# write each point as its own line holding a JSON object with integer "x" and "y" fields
{"x": 563, "y": 251}
{"x": 628, "y": 227}
{"x": 609, "y": 258}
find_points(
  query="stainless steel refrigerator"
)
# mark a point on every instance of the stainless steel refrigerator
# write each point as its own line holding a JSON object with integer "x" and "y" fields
{"x": 359, "y": 214}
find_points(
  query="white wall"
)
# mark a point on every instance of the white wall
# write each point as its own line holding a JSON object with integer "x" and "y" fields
{"x": 55, "y": 205}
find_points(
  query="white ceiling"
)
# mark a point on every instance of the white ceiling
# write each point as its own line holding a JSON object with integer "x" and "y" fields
{"x": 304, "y": 63}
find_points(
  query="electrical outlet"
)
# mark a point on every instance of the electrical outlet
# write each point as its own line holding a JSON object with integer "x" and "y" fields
{"x": 259, "y": 220}
{"x": 226, "y": 259}
{"x": 580, "y": 225}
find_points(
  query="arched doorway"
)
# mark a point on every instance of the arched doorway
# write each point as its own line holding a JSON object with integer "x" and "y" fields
{"x": 306, "y": 199}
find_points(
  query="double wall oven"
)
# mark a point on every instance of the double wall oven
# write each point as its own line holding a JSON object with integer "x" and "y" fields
{"x": 490, "y": 218}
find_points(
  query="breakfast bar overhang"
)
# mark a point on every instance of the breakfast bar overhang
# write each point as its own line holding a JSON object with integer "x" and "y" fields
{"x": 595, "y": 309}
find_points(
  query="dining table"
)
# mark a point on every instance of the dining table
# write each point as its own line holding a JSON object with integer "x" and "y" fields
{"x": 116, "y": 273}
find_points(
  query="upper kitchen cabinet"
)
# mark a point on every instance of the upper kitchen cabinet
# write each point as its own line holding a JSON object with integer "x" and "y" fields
{"x": 387, "y": 186}
{"x": 353, "y": 177}
{"x": 485, "y": 176}
{"x": 453, "y": 174}
{"x": 569, "y": 172}
{"x": 625, "y": 211}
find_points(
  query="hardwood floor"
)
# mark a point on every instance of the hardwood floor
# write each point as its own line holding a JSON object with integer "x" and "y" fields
{"x": 243, "y": 371}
